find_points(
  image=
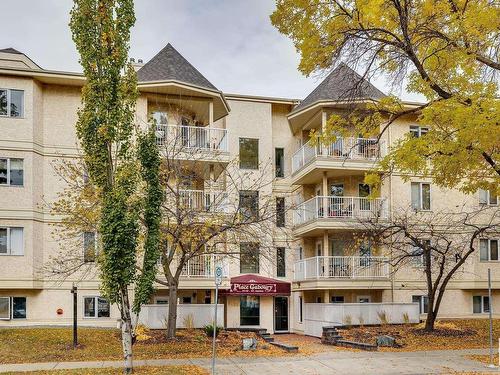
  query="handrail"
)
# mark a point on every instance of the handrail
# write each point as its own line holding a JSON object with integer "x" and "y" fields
{"x": 192, "y": 137}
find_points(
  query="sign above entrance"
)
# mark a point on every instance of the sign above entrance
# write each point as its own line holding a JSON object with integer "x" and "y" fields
{"x": 257, "y": 285}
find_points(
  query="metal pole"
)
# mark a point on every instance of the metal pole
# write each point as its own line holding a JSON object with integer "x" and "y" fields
{"x": 214, "y": 328}
{"x": 490, "y": 317}
{"x": 74, "y": 291}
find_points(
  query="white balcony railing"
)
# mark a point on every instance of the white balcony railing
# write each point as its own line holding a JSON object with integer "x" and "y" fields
{"x": 203, "y": 266}
{"x": 333, "y": 207}
{"x": 342, "y": 148}
{"x": 192, "y": 137}
{"x": 204, "y": 200}
{"x": 341, "y": 267}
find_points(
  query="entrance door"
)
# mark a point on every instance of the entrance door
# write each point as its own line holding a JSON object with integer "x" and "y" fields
{"x": 280, "y": 314}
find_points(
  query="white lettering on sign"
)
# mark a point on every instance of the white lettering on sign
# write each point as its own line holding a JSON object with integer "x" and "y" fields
{"x": 253, "y": 288}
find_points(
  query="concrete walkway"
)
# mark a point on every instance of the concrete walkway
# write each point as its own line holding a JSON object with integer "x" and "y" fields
{"x": 335, "y": 362}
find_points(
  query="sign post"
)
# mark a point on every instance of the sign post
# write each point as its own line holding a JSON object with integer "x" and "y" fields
{"x": 218, "y": 281}
{"x": 74, "y": 291}
{"x": 490, "y": 315}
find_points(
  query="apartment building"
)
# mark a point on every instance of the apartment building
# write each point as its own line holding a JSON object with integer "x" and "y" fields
{"x": 316, "y": 259}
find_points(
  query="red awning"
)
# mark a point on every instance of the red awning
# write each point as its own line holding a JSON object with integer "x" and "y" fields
{"x": 256, "y": 285}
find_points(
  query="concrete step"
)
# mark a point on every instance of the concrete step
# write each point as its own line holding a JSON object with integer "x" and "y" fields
{"x": 357, "y": 345}
{"x": 288, "y": 348}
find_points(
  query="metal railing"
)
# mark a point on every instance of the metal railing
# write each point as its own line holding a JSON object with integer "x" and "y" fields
{"x": 203, "y": 266}
{"x": 342, "y": 267}
{"x": 192, "y": 137}
{"x": 333, "y": 207}
{"x": 342, "y": 148}
{"x": 204, "y": 200}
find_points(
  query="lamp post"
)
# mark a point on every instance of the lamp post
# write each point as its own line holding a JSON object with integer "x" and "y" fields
{"x": 74, "y": 291}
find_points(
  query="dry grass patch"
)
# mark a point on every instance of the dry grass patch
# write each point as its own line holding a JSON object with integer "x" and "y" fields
{"x": 164, "y": 370}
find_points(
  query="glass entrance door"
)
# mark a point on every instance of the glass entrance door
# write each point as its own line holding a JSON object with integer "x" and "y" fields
{"x": 281, "y": 314}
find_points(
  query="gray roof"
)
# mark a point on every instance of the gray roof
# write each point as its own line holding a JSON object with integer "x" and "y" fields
{"x": 11, "y": 50}
{"x": 342, "y": 84}
{"x": 169, "y": 64}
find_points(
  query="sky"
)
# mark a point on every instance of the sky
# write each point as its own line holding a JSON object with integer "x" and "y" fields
{"x": 231, "y": 42}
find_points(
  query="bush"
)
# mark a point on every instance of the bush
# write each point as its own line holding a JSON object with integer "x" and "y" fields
{"x": 406, "y": 318}
{"x": 188, "y": 321}
{"x": 383, "y": 317}
{"x": 209, "y": 330}
{"x": 347, "y": 320}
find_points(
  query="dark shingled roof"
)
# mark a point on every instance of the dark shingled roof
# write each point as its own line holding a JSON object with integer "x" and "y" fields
{"x": 169, "y": 64}
{"x": 342, "y": 83}
{"x": 11, "y": 50}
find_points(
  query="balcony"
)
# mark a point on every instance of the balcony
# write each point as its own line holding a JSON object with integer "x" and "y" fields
{"x": 193, "y": 142}
{"x": 204, "y": 200}
{"x": 350, "y": 155}
{"x": 203, "y": 266}
{"x": 342, "y": 267}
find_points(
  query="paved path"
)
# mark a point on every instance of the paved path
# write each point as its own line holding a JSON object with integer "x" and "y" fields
{"x": 335, "y": 362}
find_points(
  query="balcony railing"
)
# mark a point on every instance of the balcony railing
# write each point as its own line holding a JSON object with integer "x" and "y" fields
{"x": 341, "y": 267}
{"x": 192, "y": 137}
{"x": 333, "y": 207}
{"x": 204, "y": 200}
{"x": 342, "y": 148}
{"x": 203, "y": 266}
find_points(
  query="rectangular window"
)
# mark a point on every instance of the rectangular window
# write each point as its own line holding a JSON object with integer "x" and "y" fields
{"x": 480, "y": 304}
{"x": 249, "y": 257}
{"x": 418, "y": 131}
{"x": 423, "y": 303}
{"x": 186, "y": 300}
{"x": 12, "y": 308}
{"x": 301, "y": 307}
{"x": 4, "y": 306}
{"x": 11, "y": 241}
{"x": 338, "y": 299}
{"x": 249, "y": 205}
{"x": 488, "y": 250}
{"x": 487, "y": 197}
{"x": 421, "y": 196}
{"x": 11, "y": 172}
{"x": 280, "y": 262}
{"x": 279, "y": 162}
{"x": 11, "y": 103}
{"x": 280, "y": 212}
{"x": 89, "y": 247}
{"x": 95, "y": 307}
{"x": 249, "y": 153}
{"x": 417, "y": 254}
{"x": 249, "y": 310}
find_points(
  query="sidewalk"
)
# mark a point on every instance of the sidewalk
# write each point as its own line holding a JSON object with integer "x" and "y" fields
{"x": 343, "y": 362}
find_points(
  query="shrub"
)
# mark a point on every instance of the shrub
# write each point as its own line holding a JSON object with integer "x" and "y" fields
{"x": 347, "y": 320}
{"x": 209, "y": 330}
{"x": 406, "y": 318}
{"x": 361, "y": 320}
{"x": 383, "y": 317}
{"x": 188, "y": 321}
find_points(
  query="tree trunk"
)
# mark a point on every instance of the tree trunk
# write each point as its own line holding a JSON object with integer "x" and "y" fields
{"x": 172, "y": 310}
{"x": 127, "y": 333}
{"x": 431, "y": 319}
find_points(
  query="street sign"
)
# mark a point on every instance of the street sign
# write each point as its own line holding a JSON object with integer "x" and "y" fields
{"x": 218, "y": 275}
{"x": 218, "y": 281}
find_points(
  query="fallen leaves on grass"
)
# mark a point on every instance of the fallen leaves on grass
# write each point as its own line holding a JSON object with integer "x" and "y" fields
{"x": 164, "y": 370}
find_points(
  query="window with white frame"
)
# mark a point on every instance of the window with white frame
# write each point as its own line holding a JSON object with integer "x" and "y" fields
{"x": 423, "y": 303}
{"x": 11, "y": 241}
{"x": 12, "y": 308}
{"x": 480, "y": 304}
{"x": 488, "y": 197}
{"x": 488, "y": 249}
{"x": 418, "y": 131}
{"x": 337, "y": 299}
{"x": 421, "y": 196}
{"x": 11, "y": 172}
{"x": 11, "y": 103}
{"x": 95, "y": 307}
{"x": 417, "y": 253}
{"x": 89, "y": 247}
{"x": 301, "y": 309}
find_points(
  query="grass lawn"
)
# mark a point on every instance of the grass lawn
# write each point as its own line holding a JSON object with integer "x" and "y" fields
{"x": 54, "y": 344}
{"x": 450, "y": 334}
{"x": 166, "y": 370}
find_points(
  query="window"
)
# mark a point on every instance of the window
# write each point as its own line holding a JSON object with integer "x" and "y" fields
{"x": 364, "y": 192}
{"x": 279, "y": 162}
{"x": 480, "y": 304}
{"x": 186, "y": 300}
{"x": 249, "y": 310}
{"x": 364, "y": 299}
{"x": 301, "y": 253}
{"x": 11, "y": 241}
{"x": 280, "y": 212}
{"x": 11, "y": 103}
{"x": 95, "y": 307}
{"x": 488, "y": 250}
{"x": 208, "y": 297}
{"x": 249, "y": 257}
{"x": 337, "y": 299}
{"x": 365, "y": 253}
{"x": 301, "y": 307}
{"x": 161, "y": 300}
{"x": 89, "y": 247}
{"x": 12, "y": 308}
{"x": 487, "y": 197}
{"x": 249, "y": 205}
{"x": 421, "y": 196}
{"x": 418, "y": 131}
{"x": 249, "y": 153}
{"x": 423, "y": 303}
{"x": 280, "y": 262}
{"x": 160, "y": 118}
{"x": 11, "y": 172}
{"x": 417, "y": 254}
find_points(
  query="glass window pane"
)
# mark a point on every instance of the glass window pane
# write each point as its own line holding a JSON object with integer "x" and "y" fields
{"x": 415, "y": 195}
{"x": 19, "y": 308}
{"x": 483, "y": 250}
{"x": 280, "y": 212}
{"x": 249, "y": 258}
{"x": 425, "y": 300}
{"x": 249, "y": 310}
{"x": 16, "y": 172}
{"x": 102, "y": 308}
{"x": 476, "y": 304}
{"x": 426, "y": 196}
{"x": 3, "y": 102}
{"x": 89, "y": 307}
{"x": 160, "y": 118}
{"x": 493, "y": 199}
{"x": 16, "y": 103}
{"x": 493, "y": 250}
{"x": 16, "y": 241}
{"x": 280, "y": 262}
{"x": 279, "y": 160}
{"x": 483, "y": 196}
{"x": 249, "y": 153}
{"x": 89, "y": 247}
{"x": 486, "y": 304}
{"x": 3, "y": 171}
{"x": 3, "y": 241}
{"x": 4, "y": 307}
{"x": 249, "y": 205}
